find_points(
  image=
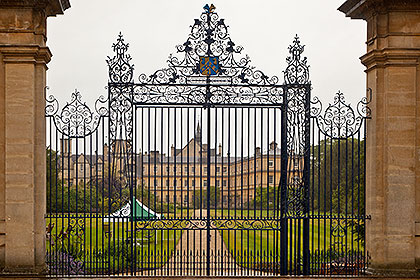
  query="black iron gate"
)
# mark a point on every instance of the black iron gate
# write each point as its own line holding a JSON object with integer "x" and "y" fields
{"x": 206, "y": 167}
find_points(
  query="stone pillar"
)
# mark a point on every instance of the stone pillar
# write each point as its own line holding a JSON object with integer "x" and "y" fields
{"x": 23, "y": 59}
{"x": 393, "y": 133}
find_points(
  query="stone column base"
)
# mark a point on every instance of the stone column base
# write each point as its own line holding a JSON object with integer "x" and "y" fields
{"x": 393, "y": 273}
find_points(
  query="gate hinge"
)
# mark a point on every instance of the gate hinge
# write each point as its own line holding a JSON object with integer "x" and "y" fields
{"x": 368, "y": 217}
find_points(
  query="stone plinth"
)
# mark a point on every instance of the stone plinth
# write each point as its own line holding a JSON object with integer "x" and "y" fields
{"x": 23, "y": 59}
{"x": 393, "y": 133}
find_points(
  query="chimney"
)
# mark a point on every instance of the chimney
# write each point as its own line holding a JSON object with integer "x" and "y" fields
{"x": 273, "y": 146}
{"x": 257, "y": 151}
{"x": 220, "y": 149}
{"x": 172, "y": 151}
{"x": 154, "y": 154}
{"x": 65, "y": 146}
{"x": 106, "y": 151}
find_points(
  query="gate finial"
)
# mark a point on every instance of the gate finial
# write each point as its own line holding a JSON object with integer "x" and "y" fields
{"x": 297, "y": 71}
{"x": 119, "y": 67}
{"x": 209, "y": 9}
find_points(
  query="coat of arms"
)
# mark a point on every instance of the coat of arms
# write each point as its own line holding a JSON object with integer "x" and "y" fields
{"x": 209, "y": 65}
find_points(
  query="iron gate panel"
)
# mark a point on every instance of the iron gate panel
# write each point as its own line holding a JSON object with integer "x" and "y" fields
{"x": 206, "y": 167}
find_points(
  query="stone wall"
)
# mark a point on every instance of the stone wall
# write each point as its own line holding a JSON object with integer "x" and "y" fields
{"x": 393, "y": 133}
{"x": 23, "y": 59}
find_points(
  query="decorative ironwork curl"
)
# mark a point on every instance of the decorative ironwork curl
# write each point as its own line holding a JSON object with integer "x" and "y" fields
{"x": 363, "y": 106}
{"x": 182, "y": 82}
{"x": 209, "y": 36}
{"x": 297, "y": 120}
{"x": 157, "y": 94}
{"x": 296, "y": 197}
{"x": 52, "y": 105}
{"x": 340, "y": 120}
{"x": 76, "y": 119}
{"x": 338, "y": 233}
{"x": 297, "y": 71}
{"x": 120, "y": 69}
{"x": 101, "y": 106}
{"x": 219, "y": 224}
{"x": 77, "y": 227}
{"x": 316, "y": 107}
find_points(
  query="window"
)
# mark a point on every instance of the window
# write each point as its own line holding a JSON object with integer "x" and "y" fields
{"x": 205, "y": 169}
{"x": 167, "y": 183}
{"x": 270, "y": 163}
{"x": 186, "y": 169}
{"x": 218, "y": 169}
{"x": 270, "y": 179}
{"x": 217, "y": 183}
{"x": 205, "y": 183}
{"x": 186, "y": 199}
{"x": 186, "y": 183}
{"x": 193, "y": 169}
{"x": 224, "y": 183}
{"x": 193, "y": 183}
{"x": 225, "y": 169}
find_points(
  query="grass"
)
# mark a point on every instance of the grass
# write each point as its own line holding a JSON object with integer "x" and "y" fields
{"x": 261, "y": 245}
{"x": 109, "y": 246}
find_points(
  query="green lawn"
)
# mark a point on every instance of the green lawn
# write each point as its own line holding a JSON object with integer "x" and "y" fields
{"x": 110, "y": 246}
{"x": 251, "y": 245}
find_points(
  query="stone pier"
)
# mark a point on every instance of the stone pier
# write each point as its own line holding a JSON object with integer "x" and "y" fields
{"x": 393, "y": 133}
{"x": 23, "y": 59}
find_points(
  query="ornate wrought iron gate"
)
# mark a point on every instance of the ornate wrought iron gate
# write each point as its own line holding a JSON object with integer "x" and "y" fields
{"x": 206, "y": 167}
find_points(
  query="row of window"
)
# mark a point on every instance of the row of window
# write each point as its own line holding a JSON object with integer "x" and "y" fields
{"x": 186, "y": 168}
{"x": 270, "y": 181}
{"x": 187, "y": 199}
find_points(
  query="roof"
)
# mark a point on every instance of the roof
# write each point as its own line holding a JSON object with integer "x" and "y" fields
{"x": 141, "y": 212}
{"x": 57, "y": 7}
{"x": 350, "y": 6}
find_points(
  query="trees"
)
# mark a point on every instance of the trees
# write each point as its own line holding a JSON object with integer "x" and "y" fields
{"x": 200, "y": 197}
{"x": 265, "y": 198}
{"x": 337, "y": 176}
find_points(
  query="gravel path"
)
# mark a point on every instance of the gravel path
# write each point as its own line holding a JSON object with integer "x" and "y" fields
{"x": 190, "y": 256}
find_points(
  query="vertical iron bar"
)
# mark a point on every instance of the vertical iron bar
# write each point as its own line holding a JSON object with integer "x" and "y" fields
{"x": 306, "y": 169}
{"x": 283, "y": 187}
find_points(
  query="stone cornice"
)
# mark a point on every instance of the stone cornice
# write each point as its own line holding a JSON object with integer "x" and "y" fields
{"x": 364, "y": 9}
{"x": 25, "y": 54}
{"x": 391, "y": 56}
{"x": 51, "y": 7}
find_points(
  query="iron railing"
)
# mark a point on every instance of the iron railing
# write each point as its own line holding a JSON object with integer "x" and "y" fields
{"x": 206, "y": 167}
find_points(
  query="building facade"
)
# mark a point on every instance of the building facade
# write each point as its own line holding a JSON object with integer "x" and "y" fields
{"x": 182, "y": 176}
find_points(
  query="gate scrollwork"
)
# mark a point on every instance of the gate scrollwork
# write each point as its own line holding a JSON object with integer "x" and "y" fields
{"x": 339, "y": 119}
{"x": 76, "y": 119}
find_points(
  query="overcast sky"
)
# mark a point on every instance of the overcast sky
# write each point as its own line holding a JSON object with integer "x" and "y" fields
{"x": 81, "y": 40}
